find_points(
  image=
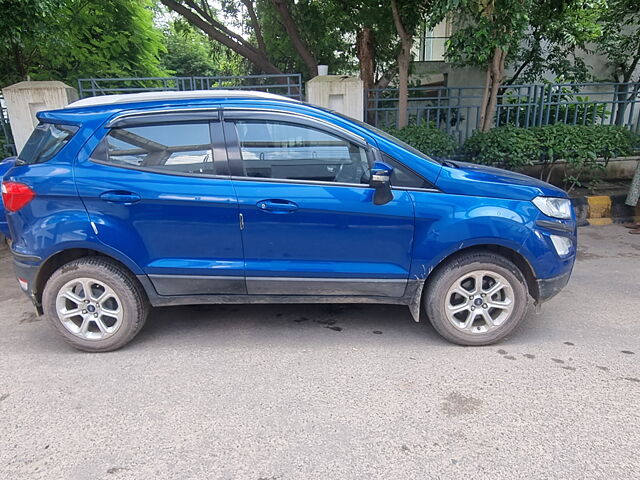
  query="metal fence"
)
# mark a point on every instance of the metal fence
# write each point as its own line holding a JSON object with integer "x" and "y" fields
{"x": 457, "y": 109}
{"x": 289, "y": 85}
{"x": 7, "y": 145}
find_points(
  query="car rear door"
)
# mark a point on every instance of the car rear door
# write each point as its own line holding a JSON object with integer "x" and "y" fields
{"x": 157, "y": 189}
{"x": 310, "y": 225}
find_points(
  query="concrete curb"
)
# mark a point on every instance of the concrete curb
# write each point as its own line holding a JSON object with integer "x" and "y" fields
{"x": 604, "y": 210}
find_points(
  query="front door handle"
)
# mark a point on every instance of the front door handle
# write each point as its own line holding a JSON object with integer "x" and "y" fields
{"x": 277, "y": 206}
{"x": 120, "y": 196}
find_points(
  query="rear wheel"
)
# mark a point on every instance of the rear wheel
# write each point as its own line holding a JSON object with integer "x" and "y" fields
{"x": 476, "y": 299}
{"x": 95, "y": 304}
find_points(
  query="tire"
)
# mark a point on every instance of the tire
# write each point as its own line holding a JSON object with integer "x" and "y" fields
{"x": 464, "y": 320}
{"x": 108, "y": 318}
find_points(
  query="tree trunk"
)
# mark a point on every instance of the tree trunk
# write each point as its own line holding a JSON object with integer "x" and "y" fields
{"x": 634, "y": 190}
{"x": 495, "y": 77}
{"x": 404, "y": 59}
{"x": 255, "y": 24}
{"x": 365, "y": 49}
{"x": 282, "y": 7}
{"x": 403, "y": 84}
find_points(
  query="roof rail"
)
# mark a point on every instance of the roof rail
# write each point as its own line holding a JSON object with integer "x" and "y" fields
{"x": 172, "y": 95}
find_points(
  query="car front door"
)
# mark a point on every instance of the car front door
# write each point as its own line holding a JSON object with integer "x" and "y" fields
{"x": 157, "y": 190}
{"x": 310, "y": 226}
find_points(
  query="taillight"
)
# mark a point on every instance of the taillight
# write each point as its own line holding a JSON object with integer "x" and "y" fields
{"x": 16, "y": 195}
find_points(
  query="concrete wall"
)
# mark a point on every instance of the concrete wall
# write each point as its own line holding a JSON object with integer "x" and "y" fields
{"x": 340, "y": 93}
{"x": 25, "y": 99}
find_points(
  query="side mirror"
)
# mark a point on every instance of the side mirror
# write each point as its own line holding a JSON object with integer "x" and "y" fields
{"x": 381, "y": 181}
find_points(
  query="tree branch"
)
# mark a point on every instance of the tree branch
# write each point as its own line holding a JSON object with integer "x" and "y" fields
{"x": 282, "y": 7}
{"x": 257, "y": 29}
{"x": 213, "y": 30}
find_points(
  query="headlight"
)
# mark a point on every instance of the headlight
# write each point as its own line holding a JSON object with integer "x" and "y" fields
{"x": 553, "y": 206}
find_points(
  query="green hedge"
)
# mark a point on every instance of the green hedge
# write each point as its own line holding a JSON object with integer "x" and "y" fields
{"x": 427, "y": 139}
{"x": 506, "y": 147}
{"x": 585, "y": 149}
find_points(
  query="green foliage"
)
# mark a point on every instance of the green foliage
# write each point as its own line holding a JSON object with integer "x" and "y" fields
{"x": 190, "y": 53}
{"x": 319, "y": 27}
{"x": 621, "y": 43}
{"x": 481, "y": 26}
{"x": 506, "y": 147}
{"x": 558, "y": 31}
{"x": 427, "y": 139}
{"x": 71, "y": 39}
{"x": 539, "y": 36}
{"x": 585, "y": 150}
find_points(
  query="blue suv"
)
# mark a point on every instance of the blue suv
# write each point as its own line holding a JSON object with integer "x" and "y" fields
{"x": 123, "y": 202}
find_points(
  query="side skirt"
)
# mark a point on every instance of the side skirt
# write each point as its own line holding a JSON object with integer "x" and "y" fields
{"x": 411, "y": 298}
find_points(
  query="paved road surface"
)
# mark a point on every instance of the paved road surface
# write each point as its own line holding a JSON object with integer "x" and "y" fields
{"x": 334, "y": 392}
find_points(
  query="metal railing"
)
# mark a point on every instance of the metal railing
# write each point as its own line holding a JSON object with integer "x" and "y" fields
{"x": 7, "y": 145}
{"x": 289, "y": 85}
{"x": 457, "y": 109}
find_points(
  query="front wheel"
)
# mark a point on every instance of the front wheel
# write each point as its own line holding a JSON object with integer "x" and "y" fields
{"x": 476, "y": 299}
{"x": 95, "y": 304}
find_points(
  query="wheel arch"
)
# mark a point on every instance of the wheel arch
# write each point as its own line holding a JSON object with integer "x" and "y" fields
{"x": 61, "y": 257}
{"x": 510, "y": 254}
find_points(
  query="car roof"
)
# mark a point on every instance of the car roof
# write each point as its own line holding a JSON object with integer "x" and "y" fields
{"x": 109, "y": 100}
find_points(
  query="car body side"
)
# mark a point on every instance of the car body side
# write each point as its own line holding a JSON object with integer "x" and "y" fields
{"x": 469, "y": 207}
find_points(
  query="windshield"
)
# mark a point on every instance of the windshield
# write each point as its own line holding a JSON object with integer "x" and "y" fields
{"x": 46, "y": 140}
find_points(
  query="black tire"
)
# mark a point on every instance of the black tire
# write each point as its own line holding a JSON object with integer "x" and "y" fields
{"x": 133, "y": 300}
{"x": 436, "y": 301}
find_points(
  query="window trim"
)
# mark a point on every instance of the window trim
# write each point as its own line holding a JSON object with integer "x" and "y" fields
{"x": 216, "y": 142}
{"x": 234, "y": 154}
{"x": 234, "y": 113}
{"x": 154, "y": 117}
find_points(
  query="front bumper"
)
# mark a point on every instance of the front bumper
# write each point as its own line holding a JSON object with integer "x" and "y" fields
{"x": 550, "y": 287}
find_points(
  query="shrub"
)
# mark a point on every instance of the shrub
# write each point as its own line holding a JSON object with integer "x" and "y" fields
{"x": 507, "y": 147}
{"x": 427, "y": 139}
{"x": 585, "y": 149}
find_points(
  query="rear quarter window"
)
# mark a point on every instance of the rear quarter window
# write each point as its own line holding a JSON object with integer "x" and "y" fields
{"x": 46, "y": 140}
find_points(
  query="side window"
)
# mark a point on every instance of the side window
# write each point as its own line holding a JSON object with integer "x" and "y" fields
{"x": 403, "y": 176}
{"x": 180, "y": 148}
{"x": 289, "y": 151}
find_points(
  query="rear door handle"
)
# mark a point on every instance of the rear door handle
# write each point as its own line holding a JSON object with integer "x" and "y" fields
{"x": 277, "y": 206}
{"x": 120, "y": 196}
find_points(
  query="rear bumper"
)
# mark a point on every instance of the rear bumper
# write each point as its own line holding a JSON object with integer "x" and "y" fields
{"x": 26, "y": 274}
{"x": 550, "y": 287}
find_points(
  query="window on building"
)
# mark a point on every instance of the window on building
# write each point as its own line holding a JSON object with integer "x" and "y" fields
{"x": 430, "y": 46}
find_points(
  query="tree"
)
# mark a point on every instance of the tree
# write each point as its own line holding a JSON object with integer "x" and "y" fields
{"x": 532, "y": 36}
{"x": 20, "y": 32}
{"x": 320, "y": 31}
{"x": 69, "y": 39}
{"x": 621, "y": 45}
{"x": 559, "y": 32}
{"x": 486, "y": 32}
{"x": 202, "y": 15}
{"x": 205, "y": 16}
{"x": 406, "y": 35}
{"x": 190, "y": 53}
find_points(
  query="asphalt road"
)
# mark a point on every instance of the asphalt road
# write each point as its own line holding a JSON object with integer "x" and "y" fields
{"x": 334, "y": 392}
